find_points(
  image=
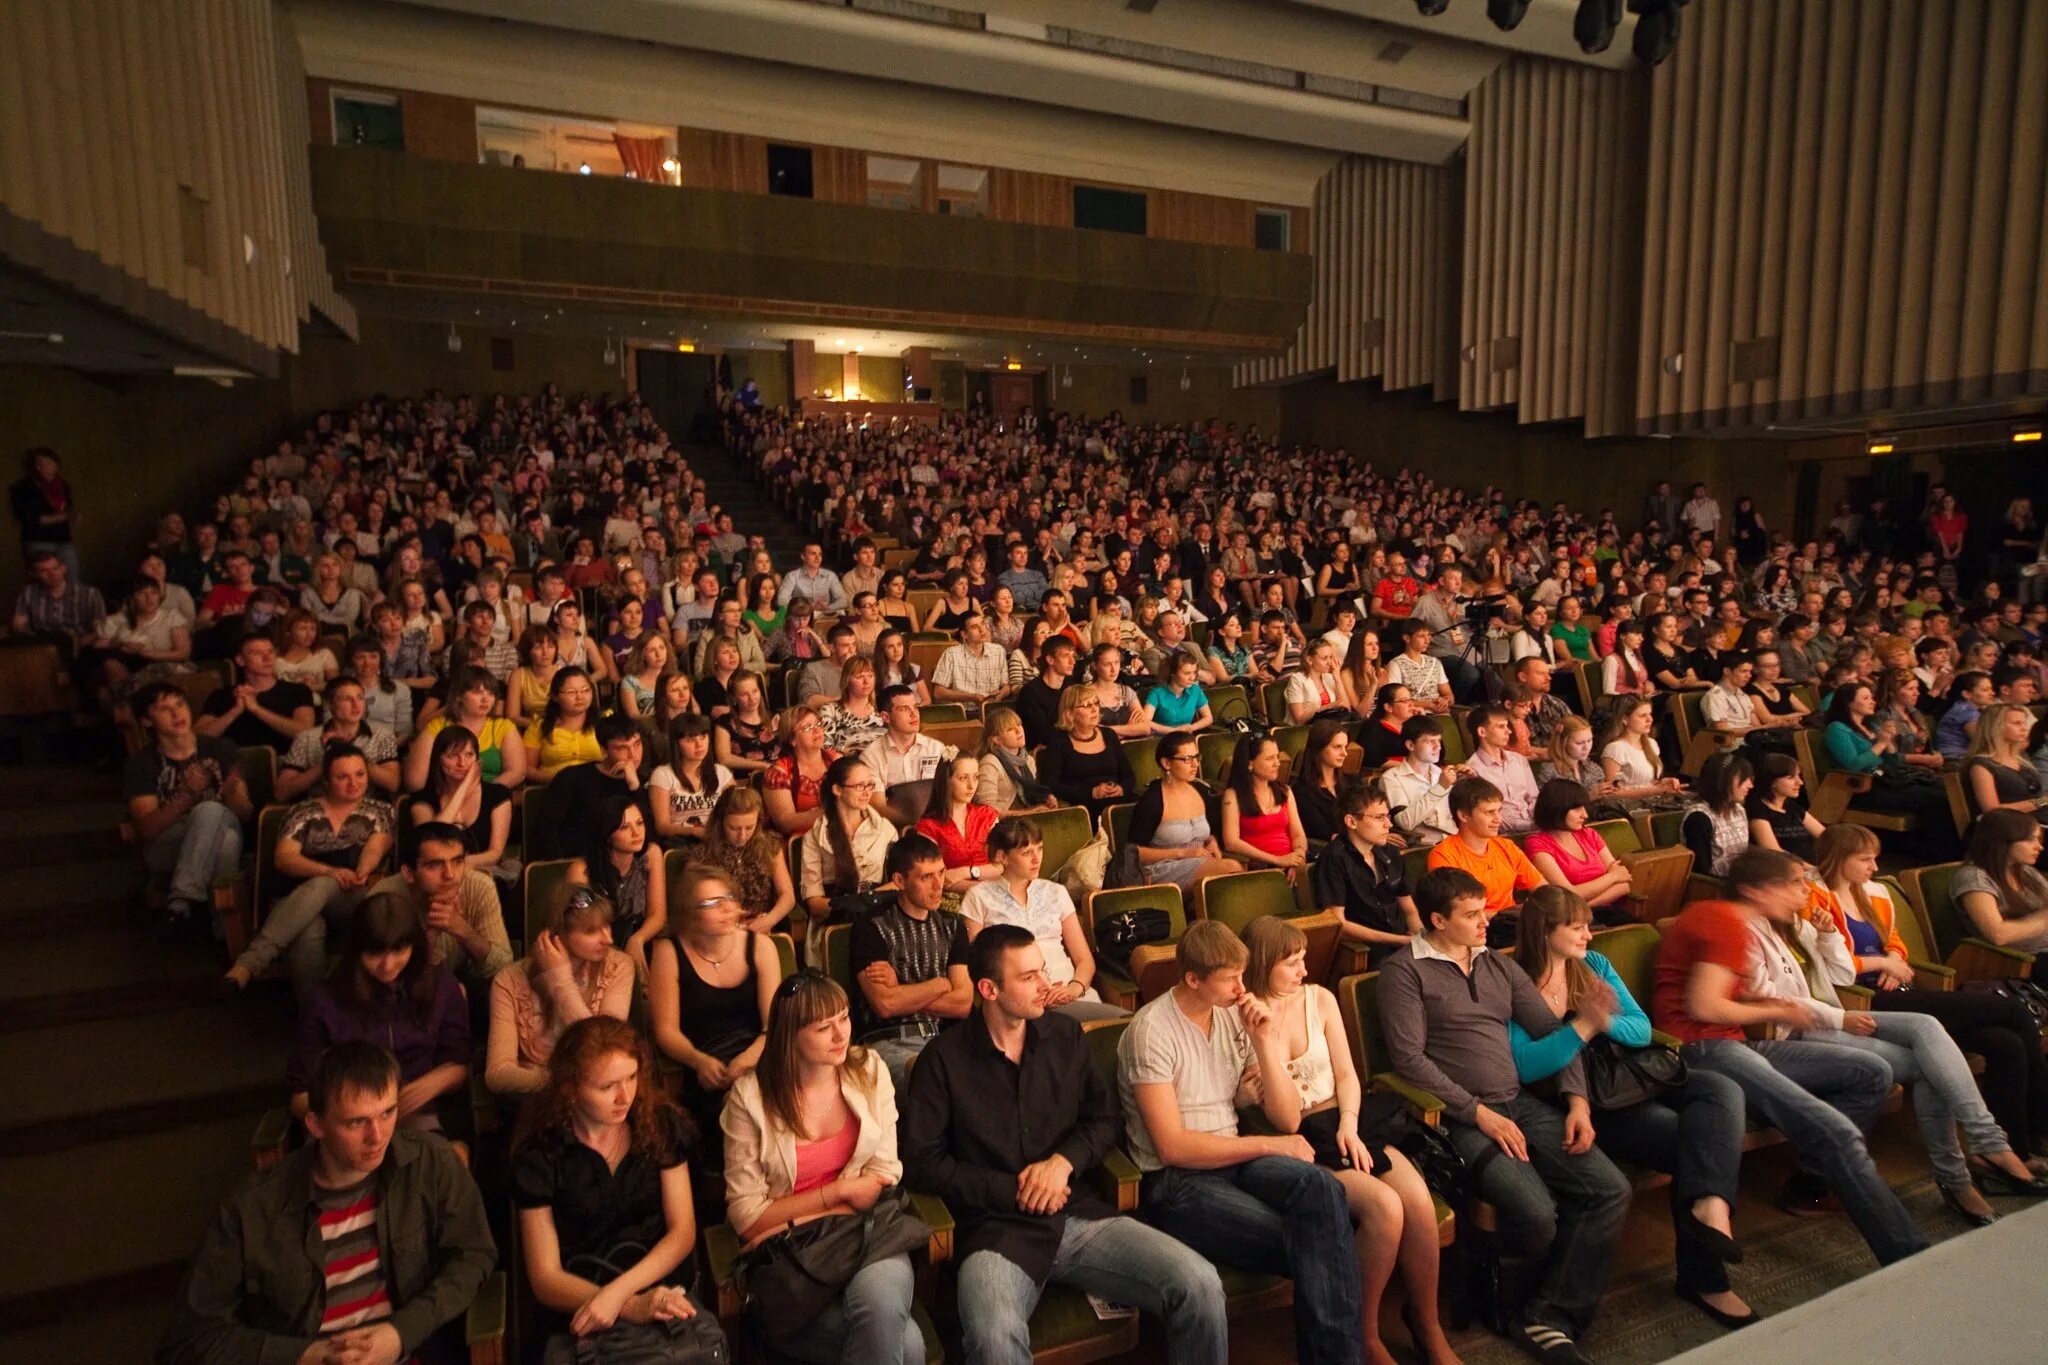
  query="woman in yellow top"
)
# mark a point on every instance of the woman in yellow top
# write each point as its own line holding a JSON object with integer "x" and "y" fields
{"x": 564, "y": 734}
{"x": 534, "y": 679}
{"x": 473, "y": 696}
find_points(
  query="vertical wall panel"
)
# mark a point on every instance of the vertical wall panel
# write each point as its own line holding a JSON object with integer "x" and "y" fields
{"x": 1863, "y": 190}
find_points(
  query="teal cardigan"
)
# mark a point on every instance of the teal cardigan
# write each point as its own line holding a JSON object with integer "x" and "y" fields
{"x": 1538, "y": 1058}
{"x": 1851, "y": 752}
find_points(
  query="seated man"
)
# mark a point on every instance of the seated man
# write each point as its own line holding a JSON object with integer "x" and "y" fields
{"x": 1445, "y": 1004}
{"x": 909, "y": 960}
{"x": 1418, "y": 785}
{"x": 187, "y": 800}
{"x": 822, "y": 679}
{"x": 1822, "y": 1096}
{"x": 1493, "y": 758}
{"x": 359, "y": 1246}
{"x": 55, "y": 607}
{"x": 1003, "y": 1112}
{"x": 1038, "y": 701}
{"x": 973, "y": 672}
{"x": 1360, "y": 876}
{"x": 1502, "y": 870}
{"x": 1252, "y": 1201}
{"x": 259, "y": 711}
{"x": 465, "y": 923}
{"x": 904, "y": 760}
{"x": 570, "y": 803}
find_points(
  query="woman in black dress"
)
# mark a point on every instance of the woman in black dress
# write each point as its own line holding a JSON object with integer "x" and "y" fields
{"x": 1084, "y": 763}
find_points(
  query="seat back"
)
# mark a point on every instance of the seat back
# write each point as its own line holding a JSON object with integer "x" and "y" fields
{"x": 1117, "y": 820}
{"x": 964, "y": 735}
{"x": 267, "y": 879}
{"x": 540, "y": 884}
{"x": 1273, "y": 703}
{"x": 1292, "y": 739}
{"x": 1912, "y": 928}
{"x": 1687, "y": 717}
{"x": 1414, "y": 862}
{"x": 258, "y": 766}
{"x": 1456, "y": 749}
{"x": 785, "y": 953}
{"x": 1216, "y": 747}
{"x": 1936, "y": 899}
{"x": 1238, "y": 898}
{"x": 1103, "y": 1035}
{"x": 1632, "y": 949}
{"x": 838, "y": 956}
{"x": 925, "y": 652}
{"x": 1065, "y": 829}
{"x": 942, "y": 713}
{"x": 1229, "y": 701}
{"x": 1152, "y": 969}
{"x": 1664, "y": 827}
{"x": 1144, "y": 759}
{"x": 1620, "y": 836}
{"x": 1358, "y": 1002}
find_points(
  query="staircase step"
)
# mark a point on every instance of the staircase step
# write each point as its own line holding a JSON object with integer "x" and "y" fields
{"x": 74, "y": 1074}
{"x": 122, "y": 1208}
{"x": 76, "y": 882}
{"x": 35, "y": 786}
{"x": 52, "y": 976}
{"x": 123, "y": 1326}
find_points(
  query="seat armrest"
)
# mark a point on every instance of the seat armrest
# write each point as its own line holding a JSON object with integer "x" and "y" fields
{"x": 1665, "y": 1040}
{"x": 1977, "y": 959}
{"x": 939, "y": 1219}
{"x": 483, "y": 1326}
{"x": 1943, "y": 978}
{"x": 1427, "y": 1107}
{"x": 1116, "y": 1179}
{"x": 1856, "y": 997}
{"x": 721, "y": 1256}
{"x": 273, "y": 1131}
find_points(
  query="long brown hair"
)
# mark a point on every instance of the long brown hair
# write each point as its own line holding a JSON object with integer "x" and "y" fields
{"x": 1837, "y": 845}
{"x": 381, "y": 924}
{"x": 801, "y": 1001}
{"x": 1271, "y": 941}
{"x": 1546, "y": 908}
{"x": 652, "y": 1120}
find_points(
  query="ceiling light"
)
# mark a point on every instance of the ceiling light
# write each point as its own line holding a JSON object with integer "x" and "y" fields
{"x": 583, "y": 169}
{"x": 1595, "y": 24}
{"x": 454, "y": 339}
{"x": 1507, "y": 15}
{"x": 2025, "y": 435}
{"x": 671, "y": 165}
{"x": 1879, "y": 448}
{"x": 611, "y": 355}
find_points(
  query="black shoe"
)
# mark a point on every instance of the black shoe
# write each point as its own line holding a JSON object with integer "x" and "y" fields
{"x": 1955, "y": 1206}
{"x": 1551, "y": 1345}
{"x": 1996, "y": 1181}
{"x": 179, "y": 924}
{"x": 1724, "y": 1247}
{"x": 1729, "y": 1320}
{"x": 1803, "y": 1199}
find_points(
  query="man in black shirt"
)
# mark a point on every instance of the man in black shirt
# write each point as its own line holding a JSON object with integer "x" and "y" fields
{"x": 570, "y": 805}
{"x": 910, "y": 961}
{"x": 259, "y": 711}
{"x": 1360, "y": 875}
{"x": 1003, "y": 1112}
{"x": 1038, "y": 701}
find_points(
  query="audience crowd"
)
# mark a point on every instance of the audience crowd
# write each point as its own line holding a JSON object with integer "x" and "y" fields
{"x": 555, "y": 752}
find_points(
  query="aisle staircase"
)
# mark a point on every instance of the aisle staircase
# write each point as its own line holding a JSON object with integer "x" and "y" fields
{"x": 130, "y": 1090}
{"x": 754, "y": 509}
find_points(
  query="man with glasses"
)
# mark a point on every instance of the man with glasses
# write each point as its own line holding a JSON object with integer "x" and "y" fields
{"x": 910, "y": 961}
{"x": 1003, "y": 1112}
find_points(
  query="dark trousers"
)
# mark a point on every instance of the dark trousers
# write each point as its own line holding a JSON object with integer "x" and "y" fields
{"x": 1692, "y": 1133}
{"x": 1999, "y": 1029}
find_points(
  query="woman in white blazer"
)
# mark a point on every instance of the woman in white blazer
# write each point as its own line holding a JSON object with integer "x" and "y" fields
{"x": 811, "y": 1133}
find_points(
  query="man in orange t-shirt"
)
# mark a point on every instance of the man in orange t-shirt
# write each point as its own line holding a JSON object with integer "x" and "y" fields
{"x": 1822, "y": 1096}
{"x": 1503, "y": 869}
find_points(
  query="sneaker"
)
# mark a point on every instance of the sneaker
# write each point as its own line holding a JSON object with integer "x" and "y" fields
{"x": 1551, "y": 1345}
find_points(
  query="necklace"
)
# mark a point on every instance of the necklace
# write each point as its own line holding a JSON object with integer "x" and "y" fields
{"x": 713, "y": 961}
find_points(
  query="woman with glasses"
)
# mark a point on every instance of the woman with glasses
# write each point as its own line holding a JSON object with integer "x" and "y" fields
{"x": 1171, "y": 828}
{"x": 709, "y": 988}
{"x": 571, "y": 974}
{"x": 1393, "y": 704}
{"x": 793, "y": 785}
{"x": 809, "y": 1135}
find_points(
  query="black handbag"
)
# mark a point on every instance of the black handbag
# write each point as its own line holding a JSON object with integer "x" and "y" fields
{"x": 695, "y": 1340}
{"x": 1118, "y": 934}
{"x": 2018, "y": 988}
{"x": 1620, "y": 1077}
{"x": 795, "y": 1275}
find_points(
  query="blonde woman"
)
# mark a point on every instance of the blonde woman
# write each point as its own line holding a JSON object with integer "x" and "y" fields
{"x": 1630, "y": 755}
{"x": 1996, "y": 766}
{"x": 640, "y": 677}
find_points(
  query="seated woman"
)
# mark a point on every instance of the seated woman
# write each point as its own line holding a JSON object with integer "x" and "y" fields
{"x": 601, "y": 1179}
{"x": 1719, "y": 830}
{"x": 791, "y": 785}
{"x": 959, "y": 825}
{"x": 334, "y": 843}
{"x": 1170, "y": 827}
{"x": 298, "y": 772}
{"x": 1008, "y": 782}
{"x": 1319, "y": 687}
{"x": 386, "y": 989}
{"x": 682, "y": 791}
{"x": 1319, "y": 778}
{"x": 709, "y": 986}
{"x": 1022, "y": 896}
{"x": 1771, "y": 696}
{"x": 301, "y": 658}
{"x": 1320, "y": 1099}
{"x": 1778, "y": 818}
{"x": 811, "y": 1134}
{"x": 1899, "y": 694}
{"x": 854, "y": 721}
{"x": 745, "y": 738}
{"x": 1177, "y": 702}
{"x": 1571, "y": 854}
{"x": 625, "y": 867}
{"x": 1996, "y": 770}
{"x": 1261, "y": 825}
{"x": 1993, "y": 1024}
{"x": 1363, "y": 668}
{"x": 1634, "y": 763}
{"x": 1122, "y": 713}
{"x": 1083, "y": 764}
{"x": 457, "y": 794}
{"x": 1570, "y": 756}
{"x": 2000, "y": 889}
{"x": 572, "y": 973}
{"x": 1692, "y": 1131}
{"x": 533, "y": 681}
{"x": 473, "y": 698}
{"x": 564, "y": 733}
{"x": 386, "y": 704}
{"x": 1381, "y": 738}
{"x": 642, "y": 670}
{"x": 739, "y": 844}
{"x": 1901, "y": 783}
{"x": 1624, "y": 672}
{"x": 845, "y": 850}
{"x": 1799, "y": 951}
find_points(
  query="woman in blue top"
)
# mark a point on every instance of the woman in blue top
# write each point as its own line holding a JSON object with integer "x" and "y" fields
{"x": 1178, "y": 702}
{"x": 1858, "y": 744}
{"x": 1692, "y": 1132}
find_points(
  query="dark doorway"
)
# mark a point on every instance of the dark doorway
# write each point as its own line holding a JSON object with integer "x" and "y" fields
{"x": 677, "y": 385}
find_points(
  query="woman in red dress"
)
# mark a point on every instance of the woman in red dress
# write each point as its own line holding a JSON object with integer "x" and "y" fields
{"x": 959, "y": 825}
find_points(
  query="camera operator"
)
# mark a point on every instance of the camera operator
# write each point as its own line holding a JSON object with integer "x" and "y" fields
{"x": 1442, "y": 608}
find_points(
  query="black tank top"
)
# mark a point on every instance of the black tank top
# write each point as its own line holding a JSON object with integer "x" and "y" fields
{"x": 720, "y": 1020}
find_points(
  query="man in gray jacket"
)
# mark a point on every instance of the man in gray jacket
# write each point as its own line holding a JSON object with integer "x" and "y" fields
{"x": 1445, "y": 1003}
{"x": 354, "y": 1250}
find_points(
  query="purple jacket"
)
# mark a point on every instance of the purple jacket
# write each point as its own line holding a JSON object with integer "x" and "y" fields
{"x": 420, "y": 1044}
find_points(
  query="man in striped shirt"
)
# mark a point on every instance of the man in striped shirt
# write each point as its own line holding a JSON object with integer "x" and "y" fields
{"x": 354, "y": 1250}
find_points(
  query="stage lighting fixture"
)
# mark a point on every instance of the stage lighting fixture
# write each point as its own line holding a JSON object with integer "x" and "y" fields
{"x": 1432, "y": 8}
{"x": 1506, "y": 14}
{"x": 1656, "y": 28}
{"x": 1595, "y": 24}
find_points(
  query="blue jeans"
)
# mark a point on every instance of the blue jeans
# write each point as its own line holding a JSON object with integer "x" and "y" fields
{"x": 1693, "y": 1133}
{"x": 1278, "y": 1216}
{"x": 1823, "y": 1098}
{"x": 1560, "y": 1210}
{"x": 296, "y": 929}
{"x": 1118, "y": 1258}
{"x": 1922, "y": 1055}
{"x": 897, "y": 1054}
{"x": 868, "y": 1324}
{"x": 202, "y": 847}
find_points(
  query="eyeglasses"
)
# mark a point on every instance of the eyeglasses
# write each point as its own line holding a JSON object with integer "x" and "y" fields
{"x": 857, "y": 787}
{"x": 713, "y": 902}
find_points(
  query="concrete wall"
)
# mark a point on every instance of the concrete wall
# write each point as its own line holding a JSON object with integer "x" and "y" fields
{"x": 403, "y": 357}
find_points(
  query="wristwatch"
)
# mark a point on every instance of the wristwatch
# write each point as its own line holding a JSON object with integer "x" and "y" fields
{"x": 974, "y": 873}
